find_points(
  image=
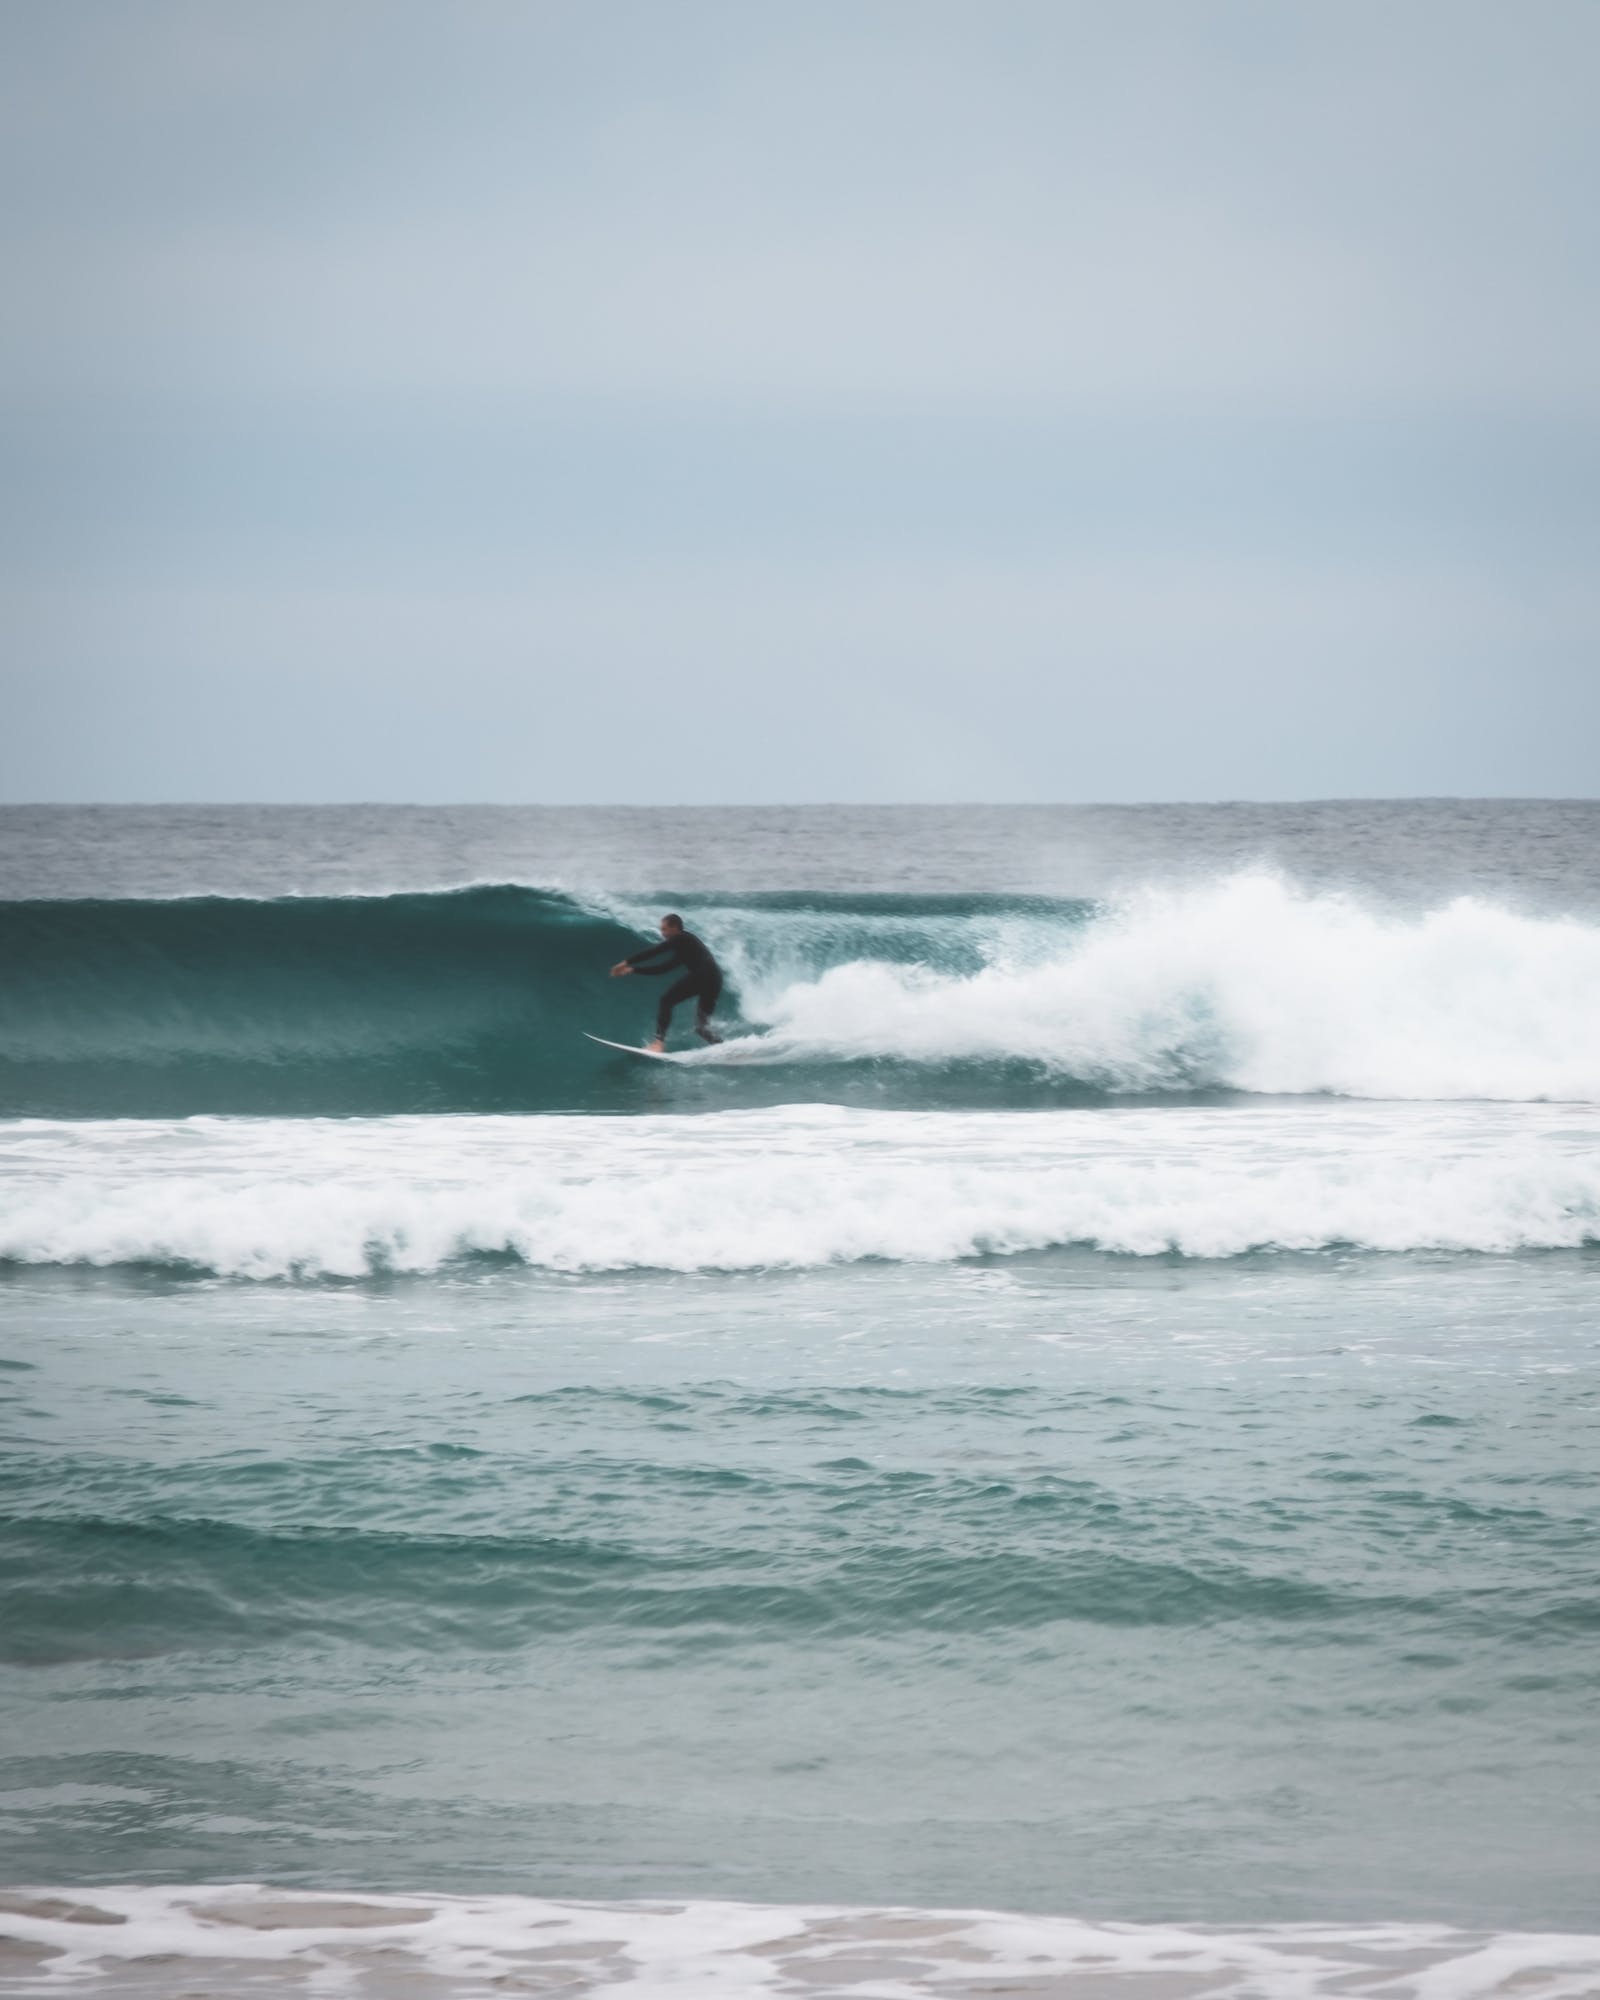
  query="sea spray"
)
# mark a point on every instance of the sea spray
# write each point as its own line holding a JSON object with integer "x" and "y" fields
{"x": 1245, "y": 984}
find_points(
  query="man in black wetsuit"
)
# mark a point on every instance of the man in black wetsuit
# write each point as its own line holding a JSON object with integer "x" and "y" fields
{"x": 701, "y": 981}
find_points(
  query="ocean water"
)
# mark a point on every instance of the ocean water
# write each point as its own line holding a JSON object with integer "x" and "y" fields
{"x": 1062, "y": 1459}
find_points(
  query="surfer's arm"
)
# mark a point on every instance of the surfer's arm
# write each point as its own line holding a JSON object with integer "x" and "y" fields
{"x": 667, "y": 953}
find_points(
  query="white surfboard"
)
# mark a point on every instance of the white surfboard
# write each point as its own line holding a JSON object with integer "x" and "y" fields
{"x": 632, "y": 1048}
{"x": 743, "y": 1048}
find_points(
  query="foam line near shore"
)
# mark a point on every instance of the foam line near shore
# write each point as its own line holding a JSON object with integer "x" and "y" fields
{"x": 103, "y": 1941}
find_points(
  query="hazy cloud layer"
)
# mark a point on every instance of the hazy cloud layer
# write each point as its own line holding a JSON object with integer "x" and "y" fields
{"x": 1009, "y": 400}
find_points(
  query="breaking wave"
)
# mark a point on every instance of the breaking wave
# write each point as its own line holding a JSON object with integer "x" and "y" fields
{"x": 475, "y": 1000}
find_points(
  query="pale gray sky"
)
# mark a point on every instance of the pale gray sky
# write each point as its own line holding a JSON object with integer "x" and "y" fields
{"x": 886, "y": 400}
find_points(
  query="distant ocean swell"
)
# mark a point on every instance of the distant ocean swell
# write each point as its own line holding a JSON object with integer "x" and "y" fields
{"x": 474, "y": 1000}
{"x": 794, "y": 1188}
{"x": 108, "y": 1589}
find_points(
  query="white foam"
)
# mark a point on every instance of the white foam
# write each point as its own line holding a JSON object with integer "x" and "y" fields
{"x": 796, "y": 1187}
{"x": 475, "y": 1944}
{"x": 1246, "y": 983}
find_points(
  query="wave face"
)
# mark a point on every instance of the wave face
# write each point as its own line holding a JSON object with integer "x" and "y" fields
{"x": 476, "y": 999}
{"x": 793, "y": 1189}
{"x": 454, "y": 1001}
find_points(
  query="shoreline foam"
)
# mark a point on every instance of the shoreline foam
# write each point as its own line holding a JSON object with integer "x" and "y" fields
{"x": 110, "y": 1941}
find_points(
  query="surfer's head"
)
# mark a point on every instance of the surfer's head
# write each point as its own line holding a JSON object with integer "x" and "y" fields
{"x": 671, "y": 925}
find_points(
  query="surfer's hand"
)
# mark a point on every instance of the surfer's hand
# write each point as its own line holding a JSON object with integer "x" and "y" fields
{"x": 621, "y": 969}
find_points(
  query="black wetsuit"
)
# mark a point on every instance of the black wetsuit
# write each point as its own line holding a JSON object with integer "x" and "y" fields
{"x": 701, "y": 981}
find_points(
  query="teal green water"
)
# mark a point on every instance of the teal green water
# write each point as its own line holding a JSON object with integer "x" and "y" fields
{"x": 1225, "y": 1591}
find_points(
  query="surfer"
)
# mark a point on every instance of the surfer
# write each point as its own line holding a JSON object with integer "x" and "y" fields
{"x": 701, "y": 981}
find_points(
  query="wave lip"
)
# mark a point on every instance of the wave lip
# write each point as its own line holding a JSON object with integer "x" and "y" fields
{"x": 467, "y": 1943}
{"x": 794, "y": 1189}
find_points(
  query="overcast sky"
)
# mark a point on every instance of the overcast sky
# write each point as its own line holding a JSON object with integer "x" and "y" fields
{"x": 799, "y": 399}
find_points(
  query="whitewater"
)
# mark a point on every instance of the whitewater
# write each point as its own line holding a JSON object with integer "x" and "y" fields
{"x": 808, "y": 1185}
{"x": 1063, "y": 1455}
{"x": 1245, "y": 985}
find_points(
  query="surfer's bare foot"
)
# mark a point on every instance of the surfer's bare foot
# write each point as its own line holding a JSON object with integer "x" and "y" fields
{"x": 706, "y": 1035}
{"x": 655, "y": 1048}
